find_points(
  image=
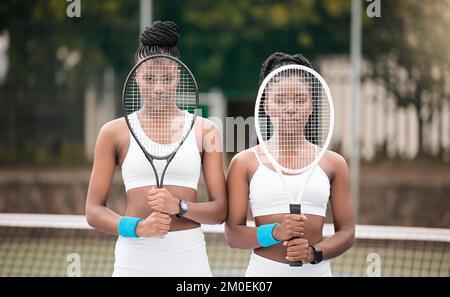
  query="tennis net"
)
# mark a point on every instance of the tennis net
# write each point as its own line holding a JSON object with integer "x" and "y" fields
{"x": 65, "y": 245}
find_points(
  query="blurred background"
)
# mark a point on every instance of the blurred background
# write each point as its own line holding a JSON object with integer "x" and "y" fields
{"x": 62, "y": 68}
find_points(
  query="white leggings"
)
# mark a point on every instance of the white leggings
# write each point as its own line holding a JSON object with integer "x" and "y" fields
{"x": 179, "y": 253}
{"x": 263, "y": 267}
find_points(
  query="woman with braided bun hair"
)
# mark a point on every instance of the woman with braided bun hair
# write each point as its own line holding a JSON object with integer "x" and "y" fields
{"x": 280, "y": 237}
{"x": 167, "y": 240}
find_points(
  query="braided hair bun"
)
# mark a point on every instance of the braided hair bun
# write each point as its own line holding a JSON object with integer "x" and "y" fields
{"x": 160, "y": 38}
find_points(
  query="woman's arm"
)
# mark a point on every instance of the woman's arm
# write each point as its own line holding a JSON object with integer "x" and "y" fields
{"x": 237, "y": 233}
{"x": 97, "y": 214}
{"x": 215, "y": 210}
{"x": 342, "y": 210}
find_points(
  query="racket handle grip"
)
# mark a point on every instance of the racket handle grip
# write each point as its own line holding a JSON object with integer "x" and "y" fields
{"x": 296, "y": 264}
{"x": 295, "y": 209}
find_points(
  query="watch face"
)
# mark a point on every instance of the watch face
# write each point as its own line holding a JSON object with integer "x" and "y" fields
{"x": 183, "y": 208}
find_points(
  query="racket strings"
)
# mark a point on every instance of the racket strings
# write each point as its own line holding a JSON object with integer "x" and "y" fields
{"x": 294, "y": 118}
{"x": 159, "y": 101}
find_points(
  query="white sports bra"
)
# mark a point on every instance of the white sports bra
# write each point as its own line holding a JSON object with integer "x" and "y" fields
{"x": 184, "y": 170}
{"x": 268, "y": 196}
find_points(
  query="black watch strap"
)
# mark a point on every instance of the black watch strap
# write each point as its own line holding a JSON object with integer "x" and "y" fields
{"x": 318, "y": 256}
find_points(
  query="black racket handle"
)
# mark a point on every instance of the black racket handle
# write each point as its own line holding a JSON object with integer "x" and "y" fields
{"x": 295, "y": 209}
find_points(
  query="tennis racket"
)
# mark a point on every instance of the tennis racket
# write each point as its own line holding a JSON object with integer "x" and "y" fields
{"x": 160, "y": 102}
{"x": 294, "y": 118}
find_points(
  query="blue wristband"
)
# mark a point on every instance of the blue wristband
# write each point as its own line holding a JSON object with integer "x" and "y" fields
{"x": 264, "y": 235}
{"x": 127, "y": 226}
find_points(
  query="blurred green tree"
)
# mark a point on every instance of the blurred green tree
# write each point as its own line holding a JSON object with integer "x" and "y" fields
{"x": 408, "y": 50}
{"x": 52, "y": 60}
{"x": 225, "y": 42}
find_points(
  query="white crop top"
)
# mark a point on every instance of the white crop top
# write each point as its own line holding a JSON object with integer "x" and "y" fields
{"x": 268, "y": 196}
{"x": 184, "y": 170}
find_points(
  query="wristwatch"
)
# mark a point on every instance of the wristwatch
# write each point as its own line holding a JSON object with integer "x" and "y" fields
{"x": 184, "y": 207}
{"x": 318, "y": 256}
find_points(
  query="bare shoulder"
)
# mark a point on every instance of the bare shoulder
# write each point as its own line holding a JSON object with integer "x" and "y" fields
{"x": 114, "y": 126}
{"x": 243, "y": 160}
{"x": 334, "y": 158}
{"x": 205, "y": 124}
{"x": 334, "y": 162}
{"x": 207, "y": 134}
{"x": 112, "y": 130}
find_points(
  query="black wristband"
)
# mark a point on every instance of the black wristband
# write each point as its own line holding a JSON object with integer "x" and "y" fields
{"x": 318, "y": 255}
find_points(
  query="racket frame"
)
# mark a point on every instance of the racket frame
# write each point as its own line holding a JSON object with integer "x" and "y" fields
{"x": 258, "y": 131}
{"x": 295, "y": 205}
